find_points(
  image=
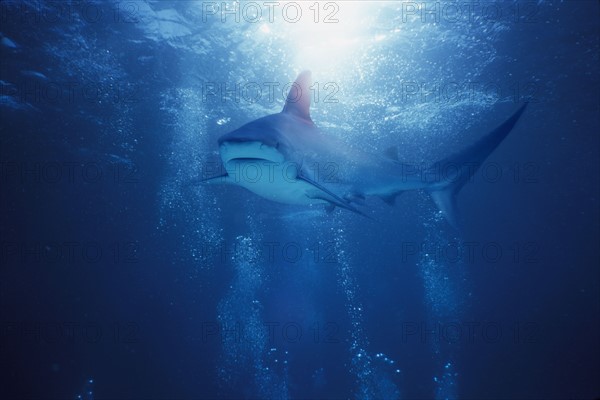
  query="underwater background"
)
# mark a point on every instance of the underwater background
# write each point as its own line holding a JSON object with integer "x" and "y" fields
{"x": 121, "y": 278}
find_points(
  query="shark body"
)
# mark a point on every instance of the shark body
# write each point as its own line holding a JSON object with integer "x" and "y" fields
{"x": 284, "y": 157}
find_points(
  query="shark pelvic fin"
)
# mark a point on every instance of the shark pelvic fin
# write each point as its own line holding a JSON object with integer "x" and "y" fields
{"x": 329, "y": 208}
{"x": 298, "y": 98}
{"x": 445, "y": 200}
{"x": 390, "y": 199}
{"x": 354, "y": 197}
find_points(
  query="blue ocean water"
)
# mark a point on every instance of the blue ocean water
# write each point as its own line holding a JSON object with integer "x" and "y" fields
{"x": 122, "y": 278}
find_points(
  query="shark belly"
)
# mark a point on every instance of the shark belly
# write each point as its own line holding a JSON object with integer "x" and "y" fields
{"x": 275, "y": 181}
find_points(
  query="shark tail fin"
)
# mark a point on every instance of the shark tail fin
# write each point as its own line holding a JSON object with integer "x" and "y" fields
{"x": 465, "y": 163}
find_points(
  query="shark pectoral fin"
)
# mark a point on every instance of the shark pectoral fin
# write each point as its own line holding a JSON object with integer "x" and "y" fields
{"x": 445, "y": 200}
{"x": 325, "y": 194}
{"x": 218, "y": 179}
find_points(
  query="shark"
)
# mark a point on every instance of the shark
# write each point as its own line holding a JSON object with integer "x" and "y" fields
{"x": 286, "y": 158}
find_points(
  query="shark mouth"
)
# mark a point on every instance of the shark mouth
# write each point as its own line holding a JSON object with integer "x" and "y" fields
{"x": 249, "y": 151}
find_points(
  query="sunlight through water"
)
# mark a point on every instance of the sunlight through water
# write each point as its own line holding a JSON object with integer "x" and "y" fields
{"x": 324, "y": 36}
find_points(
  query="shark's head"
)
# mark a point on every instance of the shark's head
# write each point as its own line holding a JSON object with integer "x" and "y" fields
{"x": 270, "y": 138}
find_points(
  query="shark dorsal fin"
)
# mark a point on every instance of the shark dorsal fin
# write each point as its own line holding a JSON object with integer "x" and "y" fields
{"x": 298, "y": 99}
